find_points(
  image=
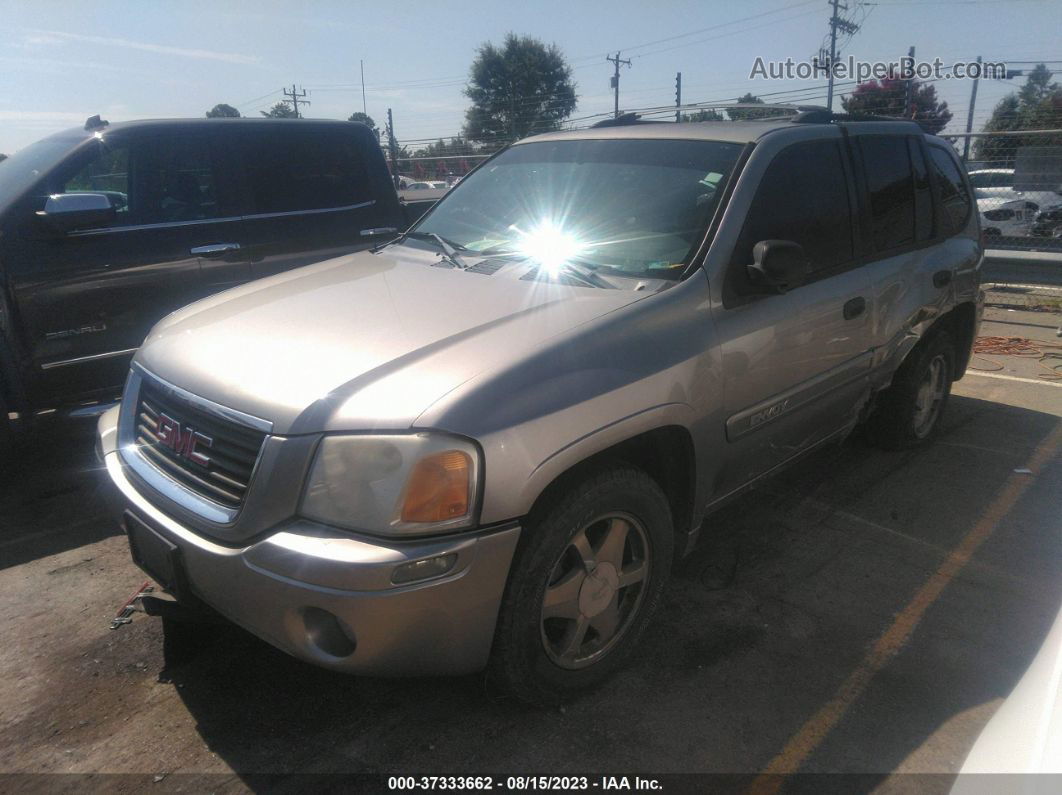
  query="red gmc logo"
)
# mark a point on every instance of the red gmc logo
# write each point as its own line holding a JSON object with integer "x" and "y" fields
{"x": 185, "y": 442}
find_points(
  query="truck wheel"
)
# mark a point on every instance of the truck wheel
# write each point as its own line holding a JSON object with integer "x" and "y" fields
{"x": 909, "y": 411}
{"x": 584, "y": 583}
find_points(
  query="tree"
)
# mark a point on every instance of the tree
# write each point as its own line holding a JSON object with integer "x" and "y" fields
{"x": 1037, "y": 105}
{"x": 702, "y": 115}
{"x": 364, "y": 118}
{"x": 282, "y": 110}
{"x": 223, "y": 111}
{"x": 746, "y": 114}
{"x": 520, "y": 88}
{"x": 887, "y": 97}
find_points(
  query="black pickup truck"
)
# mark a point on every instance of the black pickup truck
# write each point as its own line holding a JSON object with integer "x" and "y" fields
{"x": 105, "y": 230}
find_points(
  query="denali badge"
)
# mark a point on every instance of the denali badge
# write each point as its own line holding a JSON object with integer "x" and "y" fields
{"x": 183, "y": 441}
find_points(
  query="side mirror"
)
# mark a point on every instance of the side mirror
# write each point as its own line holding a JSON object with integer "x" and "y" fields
{"x": 65, "y": 212}
{"x": 778, "y": 265}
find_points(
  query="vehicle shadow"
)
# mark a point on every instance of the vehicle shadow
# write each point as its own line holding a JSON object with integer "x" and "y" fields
{"x": 50, "y": 493}
{"x": 787, "y": 590}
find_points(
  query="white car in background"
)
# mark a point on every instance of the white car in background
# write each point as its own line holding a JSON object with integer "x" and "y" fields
{"x": 1007, "y": 219}
{"x": 996, "y": 186}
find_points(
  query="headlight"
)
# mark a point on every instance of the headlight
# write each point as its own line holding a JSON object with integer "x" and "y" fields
{"x": 393, "y": 485}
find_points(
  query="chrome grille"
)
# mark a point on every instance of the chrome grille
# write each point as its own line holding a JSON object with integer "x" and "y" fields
{"x": 231, "y": 455}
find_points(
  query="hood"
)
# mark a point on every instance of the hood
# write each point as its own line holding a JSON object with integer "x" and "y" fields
{"x": 363, "y": 342}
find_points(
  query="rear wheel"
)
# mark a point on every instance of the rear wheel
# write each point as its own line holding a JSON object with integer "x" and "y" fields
{"x": 909, "y": 411}
{"x": 584, "y": 583}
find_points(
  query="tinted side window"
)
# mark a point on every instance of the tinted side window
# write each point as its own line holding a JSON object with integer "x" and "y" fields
{"x": 922, "y": 193}
{"x": 150, "y": 180}
{"x": 954, "y": 200}
{"x": 891, "y": 188}
{"x": 175, "y": 181}
{"x": 295, "y": 170}
{"x": 802, "y": 197}
{"x": 106, "y": 172}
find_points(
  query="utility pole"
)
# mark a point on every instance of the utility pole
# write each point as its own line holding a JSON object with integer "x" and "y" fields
{"x": 615, "y": 78}
{"x": 392, "y": 145}
{"x": 969, "y": 115}
{"x": 908, "y": 89}
{"x": 845, "y": 26}
{"x": 678, "y": 96}
{"x": 364, "y": 107}
{"x": 295, "y": 98}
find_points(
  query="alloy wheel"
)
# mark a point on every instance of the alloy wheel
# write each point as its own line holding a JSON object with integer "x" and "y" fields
{"x": 595, "y": 590}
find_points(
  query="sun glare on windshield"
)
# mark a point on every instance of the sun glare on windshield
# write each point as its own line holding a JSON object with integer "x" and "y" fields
{"x": 548, "y": 245}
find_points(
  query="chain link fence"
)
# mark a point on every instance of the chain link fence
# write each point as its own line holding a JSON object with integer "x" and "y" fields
{"x": 1017, "y": 182}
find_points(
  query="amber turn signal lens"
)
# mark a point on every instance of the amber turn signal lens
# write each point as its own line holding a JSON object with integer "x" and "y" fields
{"x": 438, "y": 488}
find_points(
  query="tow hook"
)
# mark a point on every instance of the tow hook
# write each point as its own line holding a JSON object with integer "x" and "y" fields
{"x": 133, "y": 604}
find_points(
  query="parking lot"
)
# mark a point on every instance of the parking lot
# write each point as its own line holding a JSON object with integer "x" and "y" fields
{"x": 864, "y": 613}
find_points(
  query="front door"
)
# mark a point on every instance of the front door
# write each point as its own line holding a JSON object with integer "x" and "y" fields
{"x": 794, "y": 365}
{"x": 87, "y": 299}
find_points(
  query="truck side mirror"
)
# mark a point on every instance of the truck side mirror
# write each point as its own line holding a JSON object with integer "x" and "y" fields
{"x": 778, "y": 266}
{"x": 66, "y": 212}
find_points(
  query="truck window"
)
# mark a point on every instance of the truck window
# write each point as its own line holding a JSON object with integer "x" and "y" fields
{"x": 889, "y": 182}
{"x": 802, "y": 197}
{"x": 151, "y": 180}
{"x": 108, "y": 173}
{"x": 293, "y": 170}
{"x": 954, "y": 199}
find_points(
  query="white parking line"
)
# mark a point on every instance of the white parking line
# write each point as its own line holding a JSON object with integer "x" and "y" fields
{"x": 1015, "y": 378}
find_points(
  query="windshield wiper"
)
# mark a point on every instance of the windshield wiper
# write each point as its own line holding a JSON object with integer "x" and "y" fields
{"x": 448, "y": 249}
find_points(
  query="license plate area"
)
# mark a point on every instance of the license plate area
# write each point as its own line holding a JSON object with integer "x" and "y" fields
{"x": 155, "y": 554}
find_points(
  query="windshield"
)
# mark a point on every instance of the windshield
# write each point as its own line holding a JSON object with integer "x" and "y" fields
{"x": 26, "y": 166}
{"x": 637, "y": 208}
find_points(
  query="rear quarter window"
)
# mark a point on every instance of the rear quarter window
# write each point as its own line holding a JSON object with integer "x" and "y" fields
{"x": 954, "y": 199}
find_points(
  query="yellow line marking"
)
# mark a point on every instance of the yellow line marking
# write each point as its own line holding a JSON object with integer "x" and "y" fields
{"x": 802, "y": 744}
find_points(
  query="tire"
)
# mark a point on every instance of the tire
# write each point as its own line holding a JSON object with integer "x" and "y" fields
{"x": 909, "y": 411}
{"x": 610, "y": 526}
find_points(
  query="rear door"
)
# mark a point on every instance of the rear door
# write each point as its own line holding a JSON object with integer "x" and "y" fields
{"x": 87, "y": 299}
{"x": 794, "y": 365}
{"x": 914, "y": 255}
{"x": 311, "y": 195}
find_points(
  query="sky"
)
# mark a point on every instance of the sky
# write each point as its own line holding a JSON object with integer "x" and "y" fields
{"x": 63, "y": 61}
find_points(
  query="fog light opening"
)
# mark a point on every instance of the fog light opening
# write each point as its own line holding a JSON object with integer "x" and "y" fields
{"x": 427, "y": 568}
{"x": 324, "y": 631}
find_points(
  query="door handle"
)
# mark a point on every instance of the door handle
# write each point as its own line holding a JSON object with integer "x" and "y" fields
{"x": 855, "y": 307}
{"x": 379, "y": 230}
{"x": 214, "y": 249}
{"x": 942, "y": 278}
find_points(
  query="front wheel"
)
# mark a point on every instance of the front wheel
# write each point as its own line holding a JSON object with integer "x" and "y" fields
{"x": 585, "y": 581}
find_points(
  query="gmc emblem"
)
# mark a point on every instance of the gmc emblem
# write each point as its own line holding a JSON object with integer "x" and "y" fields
{"x": 185, "y": 442}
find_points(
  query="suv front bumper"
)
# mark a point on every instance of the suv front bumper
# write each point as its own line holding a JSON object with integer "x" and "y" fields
{"x": 327, "y": 597}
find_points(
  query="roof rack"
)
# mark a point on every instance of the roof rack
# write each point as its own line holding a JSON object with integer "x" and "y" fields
{"x": 95, "y": 123}
{"x": 797, "y": 114}
{"x": 626, "y": 118}
{"x": 824, "y": 116}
